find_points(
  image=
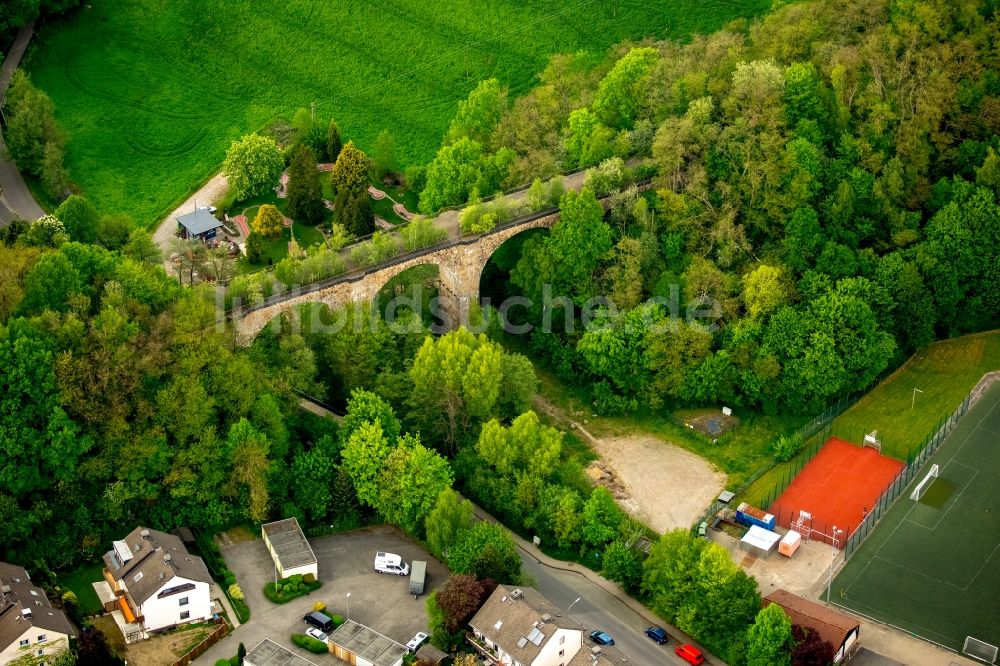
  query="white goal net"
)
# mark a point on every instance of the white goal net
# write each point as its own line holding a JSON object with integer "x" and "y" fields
{"x": 872, "y": 440}
{"x": 918, "y": 492}
{"x": 980, "y": 650}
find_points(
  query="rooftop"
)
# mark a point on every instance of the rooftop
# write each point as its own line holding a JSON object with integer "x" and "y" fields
{"x": 198, "y": 222}
{"x": 368, "y": 644}
{"x": 269, "y": 653}
{"x": 146, "y": 560}
{"x": 520, "y": 621}
{"x": 289, "y": 543}
{"x": 24, "y": 605}
{"x": 832, "y": 626}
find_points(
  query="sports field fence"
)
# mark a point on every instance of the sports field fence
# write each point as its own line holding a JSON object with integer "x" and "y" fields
{"x": 813, "y": 434}
{"x": 914, "y": 464}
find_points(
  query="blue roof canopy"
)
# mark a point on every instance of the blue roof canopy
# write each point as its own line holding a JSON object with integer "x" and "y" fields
{"x": 199, "y": 222}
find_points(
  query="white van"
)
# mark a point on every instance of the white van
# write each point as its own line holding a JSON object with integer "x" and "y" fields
{"x": 391, "y": 564}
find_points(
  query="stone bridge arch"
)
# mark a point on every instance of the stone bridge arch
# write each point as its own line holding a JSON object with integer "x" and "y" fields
{"x": 460, "y": 265}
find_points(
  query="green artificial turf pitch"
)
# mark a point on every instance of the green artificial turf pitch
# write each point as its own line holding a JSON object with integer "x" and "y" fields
{"x": 932, "y": 567}
{"x": 152, "y": 92}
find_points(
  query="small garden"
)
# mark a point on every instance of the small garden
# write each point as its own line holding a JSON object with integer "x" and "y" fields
{"x": 292, "y": 587}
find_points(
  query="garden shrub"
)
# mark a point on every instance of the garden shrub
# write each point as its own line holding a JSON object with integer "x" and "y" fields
{"x": 309, "y": 579}
{"x": 319, "y": 606}
{"x": 310, "y": 643}
{"x": 287, "y": 589}
{"x": 337, "y": 620}
{"x": 786, "y": 447}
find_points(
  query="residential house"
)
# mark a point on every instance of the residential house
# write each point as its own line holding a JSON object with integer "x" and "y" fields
{"x": 840, "y": 630}
{"x": 28, "y": 622}
{"x": 520, "y": 627}
{"x": 157, "y": 583}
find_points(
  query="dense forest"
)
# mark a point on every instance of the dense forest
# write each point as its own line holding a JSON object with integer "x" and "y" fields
{"x": 826, "y": 203}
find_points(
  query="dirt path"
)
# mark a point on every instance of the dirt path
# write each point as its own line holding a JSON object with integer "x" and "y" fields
{"x": 665, "y": 486}
{"x": 166, "y": 231}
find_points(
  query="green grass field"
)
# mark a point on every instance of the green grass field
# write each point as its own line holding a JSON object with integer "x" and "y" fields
{"x": 930, "y": 566}
{"x": 152, "y": 92}
{"x": 943, "y": 375}
{"x": 79, "y": 581}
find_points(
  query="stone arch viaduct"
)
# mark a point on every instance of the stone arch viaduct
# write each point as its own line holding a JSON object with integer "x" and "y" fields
{"x": 460, "y": 262}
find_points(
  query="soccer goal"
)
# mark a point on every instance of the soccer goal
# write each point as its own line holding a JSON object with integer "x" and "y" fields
{"x": 918, "y": 492}
{"x": 872, "y": 440}
{"x": 980, "y": 650}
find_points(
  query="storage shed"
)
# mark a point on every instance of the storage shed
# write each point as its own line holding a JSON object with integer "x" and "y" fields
{"x": 359, "y": 645}
{"x": 289, "y": 548}
{"x": 760, "y": 542}
{"x": 269, "y": 653}
{"x": 842, "y": 631}
{"x": 790, "y": 543}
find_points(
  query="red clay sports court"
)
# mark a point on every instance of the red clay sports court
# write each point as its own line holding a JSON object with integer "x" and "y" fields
{"x": 836, "y": 487}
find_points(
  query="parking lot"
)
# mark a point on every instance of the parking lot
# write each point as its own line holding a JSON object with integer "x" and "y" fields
{"x": 381, "y": 602}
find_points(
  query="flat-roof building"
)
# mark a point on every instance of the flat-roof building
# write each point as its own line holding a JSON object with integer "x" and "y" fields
{"x": 289, "y": 548}
{"x": 269, "y": 653}
{"x": 359, "y": 645}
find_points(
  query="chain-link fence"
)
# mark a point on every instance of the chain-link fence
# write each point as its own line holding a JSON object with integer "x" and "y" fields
{"x": 915, "y": 463}
{"x": 813, "y": 434}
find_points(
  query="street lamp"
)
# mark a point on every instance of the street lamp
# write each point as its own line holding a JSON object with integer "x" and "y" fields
{"x": 348, "y": 605}
{"x": 913, "y": 401}
{"x": 571, "y": 605}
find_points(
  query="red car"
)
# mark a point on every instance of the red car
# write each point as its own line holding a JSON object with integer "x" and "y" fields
{"x": 690, "y": 654}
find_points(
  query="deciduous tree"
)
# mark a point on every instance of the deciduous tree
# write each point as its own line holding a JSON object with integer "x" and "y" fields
{"x": 486, "y": 551}
{"x": 450, "y": 516}
{"x": 769, "y": 638}
{"x": 253, "y": 165}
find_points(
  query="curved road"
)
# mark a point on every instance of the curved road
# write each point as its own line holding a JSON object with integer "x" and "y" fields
{"x": 15, "y": 197}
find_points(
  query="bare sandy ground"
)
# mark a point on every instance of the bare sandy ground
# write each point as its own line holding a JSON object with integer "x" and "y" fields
{"x": 669, "y": 487}
{"x": 663, "y": 485}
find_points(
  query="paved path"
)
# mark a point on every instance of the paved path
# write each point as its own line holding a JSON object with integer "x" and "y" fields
{"x": 166, "y": 231}
{"x": 15, "y": 197}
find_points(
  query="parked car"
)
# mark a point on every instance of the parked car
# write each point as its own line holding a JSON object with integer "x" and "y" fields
{"x": 210, "y": 209}
{"x": 316, "y": 633}
{"x": 321, "y": 621}
{"x": 658, "y": 634}
{"x": 601, "y": 638}
{"x": 391, "y": 564}
{"x": 416, "y": 641}
{"x": 690, "y": 654}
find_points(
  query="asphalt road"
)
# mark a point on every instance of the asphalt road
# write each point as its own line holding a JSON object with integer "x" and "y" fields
{"x": 598, "y": 609}
{"x": 15, "y": 197}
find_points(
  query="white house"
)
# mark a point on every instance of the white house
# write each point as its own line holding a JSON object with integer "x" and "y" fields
{"x": 158, "y": 584}
{"x": 520, "y": 627}
{"x": 28, "y": 623}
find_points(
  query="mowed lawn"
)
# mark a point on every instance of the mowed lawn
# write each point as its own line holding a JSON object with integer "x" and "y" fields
{"x": 152, "y": 92}
{"x": 943, "y": 374}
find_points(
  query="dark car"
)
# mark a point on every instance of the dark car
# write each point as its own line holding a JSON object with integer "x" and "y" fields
{"x": 658, "y": 634}
{"x": 601, "y": 638}
{"x": 319, "y": 620}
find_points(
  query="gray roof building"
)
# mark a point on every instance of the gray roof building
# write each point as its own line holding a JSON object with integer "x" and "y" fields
{"x": 361, "y": 642}
{"x": 198, "y": 222}
{"x": 289, "y": 547}
{"x": 520, "y": 621}
{"x": 147, "y": 559}
{"x": 23, "y": 605}
{"x": 269, "y": 653}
